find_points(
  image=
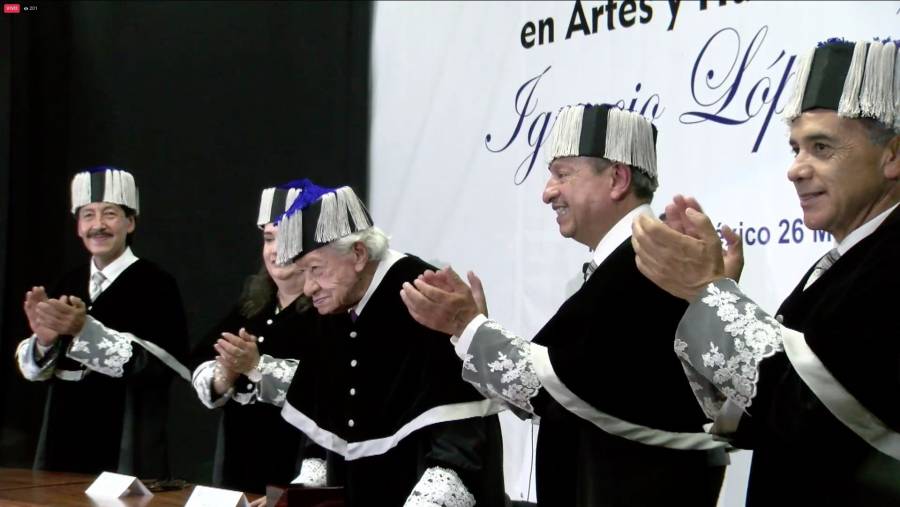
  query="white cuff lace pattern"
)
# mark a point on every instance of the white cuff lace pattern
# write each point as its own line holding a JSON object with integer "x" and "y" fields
{"x": 499, "y": 365}
{"x": 203, "y": 381}
{"x": 313, "y": 473}
{"x": 101, "y": 349}
{"x": 31, "y": 367}
{"x": 277, "y": 375}
{"x": 721, "y": 340}
{"x": 440, "y": 487}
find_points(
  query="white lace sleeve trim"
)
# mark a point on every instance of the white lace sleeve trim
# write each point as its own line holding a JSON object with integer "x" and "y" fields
{"x": 101, "y": 349}
{"x": 721, "y": 341}
{"x": 30, "y": 366}
{"x": 440, "y": 487}
{"x": 202, "y": 381}
{"x": 313, "y": 472}
{"x": 277, "y": 375}
{"x": 499, "y": 364}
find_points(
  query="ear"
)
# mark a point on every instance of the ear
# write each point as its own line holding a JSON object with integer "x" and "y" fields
{"x": 621, "y": 181}
{"x": 131, "y": 224}
{"x": 361, "y": 256}
{"x": 891, "y": 159}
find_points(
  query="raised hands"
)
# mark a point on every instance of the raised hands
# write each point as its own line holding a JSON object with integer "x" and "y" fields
{"x": 685, "y": 254}
{"x": 50, "y": 318}
{"x": 45, "y": 335}
{"x": 237, "y": 353}
{"x": 442, "y": 301}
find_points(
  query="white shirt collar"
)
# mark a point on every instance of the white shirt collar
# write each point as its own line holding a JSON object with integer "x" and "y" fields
{"x": 862, "y": 231}
{"x": 390, "y": 257}
{"x": 116, "y": 267}
{"x": 619, "y": 233}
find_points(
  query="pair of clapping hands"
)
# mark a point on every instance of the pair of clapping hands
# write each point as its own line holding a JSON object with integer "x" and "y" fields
{"x": 441, "y": 300}
{"x": 684, "y": 253}
{"x": 238, "y": 354}
{"x": 51, "y": 318}
{"x": 681, "y": 255}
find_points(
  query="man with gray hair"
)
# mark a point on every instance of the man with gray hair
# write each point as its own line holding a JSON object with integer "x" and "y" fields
{"x": 813, "y": 388}
{"x": 604, "y": 430}
{"x": 373, "y": 386}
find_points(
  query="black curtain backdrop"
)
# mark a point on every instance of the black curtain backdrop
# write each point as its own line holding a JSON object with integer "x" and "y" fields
{"x": 206, "y": 103}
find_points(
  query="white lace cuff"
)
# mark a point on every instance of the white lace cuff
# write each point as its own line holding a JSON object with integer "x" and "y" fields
{"x": 276, "y": 378}
{"x": 313, "y": 473}
{"x": 101, "y": 349}
{"x": 31, "y": 366}
{"x": 721, "y": 341}
{"x": 440, "y": 487}
{"x": 499, "y": 364}
{"x": 203, "y": 383}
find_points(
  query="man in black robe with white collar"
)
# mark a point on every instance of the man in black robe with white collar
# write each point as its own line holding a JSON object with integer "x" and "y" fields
{"x": 108, "y": 342}
{"x": 371, "y": 385}
{"x": 607, "y": 437}
{"x": 813, "y": 390}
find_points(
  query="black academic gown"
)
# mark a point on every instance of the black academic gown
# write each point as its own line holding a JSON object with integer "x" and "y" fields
{"x": 611, "y": 344}
{"x": 255, "y": 446}
{"x": 101, "y": 423}
{"x": 382, "y": 371}
{"x": 803, "y": 455}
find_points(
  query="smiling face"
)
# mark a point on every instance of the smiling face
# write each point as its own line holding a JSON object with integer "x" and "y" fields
{"x": 841, "y": 177}
{"x": 580, "y": 196}
{"x": 103, "y": 228}
{"x": 334, "y": 280}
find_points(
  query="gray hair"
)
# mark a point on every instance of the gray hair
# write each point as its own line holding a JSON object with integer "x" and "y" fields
{"x": 879, "y": 133}
{"x": 641, "y": 184}
{"x": 375, "y": 240}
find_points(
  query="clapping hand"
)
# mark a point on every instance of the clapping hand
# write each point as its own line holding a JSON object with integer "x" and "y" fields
{"x": 442, "y": 301}
{"x": 63, "y": 316}
{"x": 237, "y": 353}
{"x": 45, "y": 336}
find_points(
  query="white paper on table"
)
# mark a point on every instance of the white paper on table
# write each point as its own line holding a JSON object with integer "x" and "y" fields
{"x": 204, "y": 496}
{"x": 113, "y": 485}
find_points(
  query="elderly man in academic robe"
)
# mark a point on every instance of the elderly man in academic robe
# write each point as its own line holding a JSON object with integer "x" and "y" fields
{"x": 372, "y": 386}
{"x": 812, "y": 388}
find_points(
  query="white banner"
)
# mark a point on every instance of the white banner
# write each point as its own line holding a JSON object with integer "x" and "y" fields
{"x": 464, "y": 94}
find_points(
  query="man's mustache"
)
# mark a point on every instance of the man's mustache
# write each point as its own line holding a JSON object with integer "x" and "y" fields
{"x": 99, "y": 233}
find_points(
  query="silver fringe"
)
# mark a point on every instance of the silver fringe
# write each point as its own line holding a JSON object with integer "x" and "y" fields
{"x": 265, "y": 207}
{"x": 793, "y": 108}
{"x": 629, "y": 140}
{"x": 290, "y": 238}
{"x": 566, "y": 136}
{"x": 849, "y": 104}
{"x": 876, "y": 100}
{"x": 327, "y": 227}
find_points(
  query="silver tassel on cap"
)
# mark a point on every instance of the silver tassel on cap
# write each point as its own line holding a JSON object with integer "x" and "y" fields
{"x": 566, "y": 136}
{"x": 876, "y": 99}
{"x": 849, "y": 104}
{"x": 629, "y": 140}
{"x": 793, "y": 108}
{"x": 81, "y": 190}
{"x": 265, "y": 207}
{"x": 327, "y": 228}
{"x": 357, "y": 211}
{"x": 289, "y": 238}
